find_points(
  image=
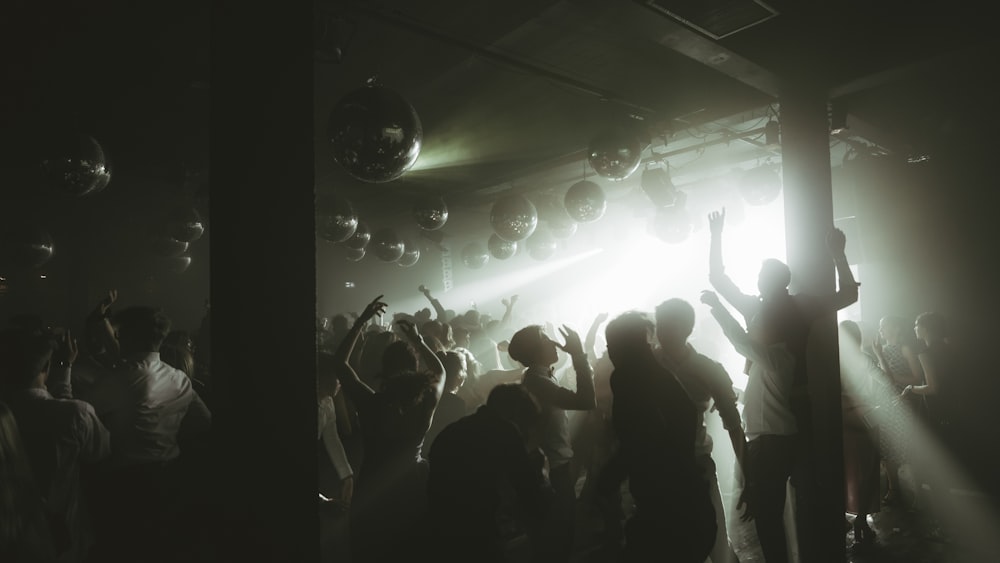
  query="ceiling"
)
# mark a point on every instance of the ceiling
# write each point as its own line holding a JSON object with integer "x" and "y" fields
{"x": 509, "y": 93}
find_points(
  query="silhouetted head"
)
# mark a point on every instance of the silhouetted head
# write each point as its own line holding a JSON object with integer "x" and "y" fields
{"x": 774, "y": 278}
{"x": 892, "y": 328}
{"x": 471, "y": 318}
{"x": 25, "y": 356}
{"x": 455, "y": 370}
{"x": 513, "y": 402}
{"x": 674, "y": 322}
{"x": 629, "y": 337}
{"x": 397, "y": 358}
{"x": 461, "y": 336}
{"x": 340, "y": 323}
{"x": 141, "y": 330}
{"x": 850, "y": 334}
{"x": 930, "y": 327}
{"x": 177, "y": 351}
{"x": 531, "y": 347}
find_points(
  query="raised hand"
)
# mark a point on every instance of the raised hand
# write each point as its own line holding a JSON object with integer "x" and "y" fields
{"x": 423, "y": 289}
{"x": 68, "y": 350}
{"x": 711, "y": 299}
{"x": 376, "y": 307}
{"x": 877, "y": 345}
{"x": 573, "y": 345}
{"x": 108, "y": 301}
{"x": 716, "y": 221}
{"x": 836, "y": 242}
{"x": 408, "y": 329}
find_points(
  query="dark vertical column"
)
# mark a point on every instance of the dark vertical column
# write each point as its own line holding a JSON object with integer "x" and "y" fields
{"x": 808, "y": 218}
{"x": 263, "y": 280}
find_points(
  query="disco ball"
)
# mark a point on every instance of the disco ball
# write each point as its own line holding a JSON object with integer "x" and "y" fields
{"x": 387, "y": 246}
{"x": 411, "y": 255}
{"x": 760, "y": 185}
{"x": 501, "y": 249}
{"x": 615, "y": 154}
{"x": 336, "y": 219}
{"x": 76, "y": 165}
{"x": 474, "y": 256}
{"x": 672, "y": 224}
{"x": 355, "y": 254}
{"x": 176, "y": 264}
{"x": 27, "y": 247}
{"x": 514, "y": 218}
{"x": 541, "y": 245}
{"x": 585, "y": 202}
{"x": 375, "y": 134}
{"x": 185, "y": 225}
{"x": 430, "y": 213}
{"x": 361, "y": 237}
{"x": 167, "y": 247}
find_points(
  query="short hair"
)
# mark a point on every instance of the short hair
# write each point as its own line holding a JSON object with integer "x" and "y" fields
{"x": 398, "y": 357}
{"x": 513, "y": 402}
{"x": 628, "y": 330}
{"x": 781, "y": 271}
{"x": 526, "y": 344}
{"x": 142, "y": 328}
{"x": 933, "y": 323}
{"x": 453, "y": 363}
{"x": 677, "y": 310}
{"x": 23, "y": 355}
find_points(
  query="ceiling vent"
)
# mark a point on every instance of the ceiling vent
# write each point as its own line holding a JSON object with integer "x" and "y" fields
{"x": 715, "y": 18}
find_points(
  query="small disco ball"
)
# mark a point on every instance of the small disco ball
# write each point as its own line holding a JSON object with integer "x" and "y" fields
{"x": 501, "y": 249}
{"x": 375, "y": 133}
{"x": 585, "y": 202}
{"x": 387, "y": 246}
{"x": 26, "y": 247}
{"x": 474, "y": 256}
{"x": 430, "y": 213}
{"x": 614, "y": 154}
{"x": 361, "y": 237}
{"x": 186, "y": 225}
{"x": 336, "y": 220}
{"x": 760, "y": 185}
{"x": 76, "y": 165}
{"x": 514, "y": 218}
{"x": 411, "y": 255}
{"x": 355, "y": 254}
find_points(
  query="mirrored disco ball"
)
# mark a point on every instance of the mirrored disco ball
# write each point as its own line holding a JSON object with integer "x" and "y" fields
{"x": 541, "y": 245}
{"x": 186, "y": 225}
{"x": 76, "y": 165}
{"x": 410, "y": 256}
{"x": 585, "y": 202}
{"x": 355, "y": 254}
{"x": 501, "y": 249}
{"x": 375, "y": 134}
{"x": 672, "y": 224}
{"x": 430, "y": 213}
{"x": 361, "y": 237}
{"x": 336, "y": 220}
{"x": 615, "y": 154}
{"x": 386, "y": 245}
{"x": 25, "y": 246}
{"x": 176, "y": 264}
{"x": 514, "y": 218}
{"x": 760, "y": 185}
{"x": 474, "y": 255}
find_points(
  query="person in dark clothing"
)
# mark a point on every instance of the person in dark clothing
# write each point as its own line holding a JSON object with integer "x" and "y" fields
{"x": 451, "y": 407}
{"x": 472, "y": 463}
{"x": 656, "y": 423}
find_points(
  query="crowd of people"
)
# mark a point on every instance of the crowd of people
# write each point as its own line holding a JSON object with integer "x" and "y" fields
{"x": 472, "y": 439}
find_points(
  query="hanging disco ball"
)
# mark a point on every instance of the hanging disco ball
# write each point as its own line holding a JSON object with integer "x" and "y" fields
{"x": 361, "y": 237}
{"x": 375, "y": 133}
{"x": 355, "y": 254}
{"x": 167, "y": 247}
{"x": 760, "y": 185}
{"x": 672, "y": 224}
{"x": 76, "y": 165}
{"x": 474, "y": 256}
{"x": 411, "y": 254}
{"x": 542, "y": 245}
{"x": 615, "y": 154}
{"x": 336, "y": 220}
{"x": 25, "y": 247}
{"x": 176, "y": 264}
{"x": 387, "y": 246}
{"x": 514, "y": 218}
{"x": 185, "y": 225}
{"x": 430, "y": 213}
{"x": 585, "y": 202}
{"x": 501, "y": 249}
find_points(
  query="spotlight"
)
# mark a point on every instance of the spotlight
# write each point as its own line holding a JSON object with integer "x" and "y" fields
{"x": 658, "y": 186}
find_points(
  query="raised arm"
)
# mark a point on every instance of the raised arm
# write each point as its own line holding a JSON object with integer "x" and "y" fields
{"x": 745, "y": 304}
{"x": 432, "y": 364}
{"x": 721, "y": 388}
{"x": 99, "y": 322}
{"x": 59, "y": 383}
{"x": 439, "y": 313}
{"x": 588, "y": 345}
{"x": 847, "y": 287}
{"x": 355, "y": 389}
{"x": 584, "y": 398}
{"x": 508, "y": 312}
{"x": 734, "y": 332}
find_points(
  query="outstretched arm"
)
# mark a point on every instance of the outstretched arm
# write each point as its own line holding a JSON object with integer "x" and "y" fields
{"x": 588, "y": 345}
{"x": 355, "y": 389}
{"x": 584, "y": 398}
{"x": 427, "y": 356}
{"x": 847, "y": 290}
{"x": 508, "y": 312}
{"x": 735, "y": 333}
{"x": 746, "y": 304}
{"x": 439, "y": 314}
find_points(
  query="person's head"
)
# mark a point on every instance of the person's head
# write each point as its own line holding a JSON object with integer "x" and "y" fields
{"x": 774, "y": 278}
{"x": 461, "y": 336}
{"x": 455, "y": 370}
{"x": 177, "y": 351}
{"x": 513, "y": 403}
{"x": 674, "y": 322}
{"x": 531, "y": 347}
{"x": 422, "y": 316}
{"x": 397, "y": 358}
{"x": 628, "y": 336}
{"x": 25, "y": 357}
{"x": 340, "y": 324}
{"x": 930, "y": 327}
{"x": 850, "y": 334}
{"x": 892, "y": 328}
{"x": 471, "y": 318}
{"x": 141, "y": 330}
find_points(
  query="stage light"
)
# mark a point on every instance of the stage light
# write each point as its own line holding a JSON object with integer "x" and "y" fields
{"x": 656, "y": 183}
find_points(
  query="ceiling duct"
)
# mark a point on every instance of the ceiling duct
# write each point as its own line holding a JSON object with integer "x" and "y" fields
{"x": 715, "y": 18}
